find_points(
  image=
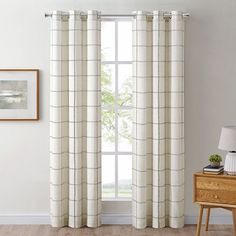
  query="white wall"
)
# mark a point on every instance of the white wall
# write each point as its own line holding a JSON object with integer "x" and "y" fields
{"x": 210, "y": 81}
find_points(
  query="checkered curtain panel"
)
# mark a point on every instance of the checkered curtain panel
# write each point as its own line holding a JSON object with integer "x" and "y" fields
{"x": 75, "y": 123}
{"x": 158, "y": 125}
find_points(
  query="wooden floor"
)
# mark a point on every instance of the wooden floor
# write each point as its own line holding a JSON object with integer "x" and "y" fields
{"x": 110, "y": 230}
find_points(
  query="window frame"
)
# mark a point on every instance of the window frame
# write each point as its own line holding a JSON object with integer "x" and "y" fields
{"x": 116, "y": 153}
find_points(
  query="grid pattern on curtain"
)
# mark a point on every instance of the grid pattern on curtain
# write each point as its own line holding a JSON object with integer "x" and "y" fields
{"x": 158, "y": 126}
{"x": 75, "y": 123}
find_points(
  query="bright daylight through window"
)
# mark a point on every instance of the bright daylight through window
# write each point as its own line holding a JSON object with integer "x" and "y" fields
{"x": 116, "y": 88}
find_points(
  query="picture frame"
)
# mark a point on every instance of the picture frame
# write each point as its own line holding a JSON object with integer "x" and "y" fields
{"x": 19, "y": 94}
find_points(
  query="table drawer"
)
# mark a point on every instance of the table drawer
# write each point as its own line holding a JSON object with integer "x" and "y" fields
{"x": 215, "y": 196}
{"x": 213, "y": 183}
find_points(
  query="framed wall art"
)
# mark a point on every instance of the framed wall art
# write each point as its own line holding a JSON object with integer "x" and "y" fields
{"x": 19, "y": 94}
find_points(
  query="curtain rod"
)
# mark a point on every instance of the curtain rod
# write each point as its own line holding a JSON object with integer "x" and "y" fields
{"x": 166, "y": 14}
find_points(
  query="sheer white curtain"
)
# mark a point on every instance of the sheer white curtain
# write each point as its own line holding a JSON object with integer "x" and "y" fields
{"x": 158, "y": 126}
{"x": 75, "y": 123}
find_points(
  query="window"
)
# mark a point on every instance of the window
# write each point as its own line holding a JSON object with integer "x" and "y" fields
{"x": 116, "y": 41}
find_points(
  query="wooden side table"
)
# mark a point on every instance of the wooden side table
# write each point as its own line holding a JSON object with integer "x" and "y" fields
{"x": 214, "y": 191}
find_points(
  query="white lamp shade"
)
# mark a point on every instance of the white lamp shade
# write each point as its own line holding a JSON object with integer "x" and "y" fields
{"x": 228, "y": 138}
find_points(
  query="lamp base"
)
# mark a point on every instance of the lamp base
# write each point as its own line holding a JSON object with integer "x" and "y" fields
{"x": 230, "y": 163}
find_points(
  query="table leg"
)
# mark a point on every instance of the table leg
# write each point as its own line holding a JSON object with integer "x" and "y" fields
{"x": 199, "y": 224}
{"x": 207, "y": 218}
{"x": 234, "y": 219}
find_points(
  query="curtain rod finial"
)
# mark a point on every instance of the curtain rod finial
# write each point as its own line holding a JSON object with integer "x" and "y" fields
{"x": 186, "y": 14}
{"x": 47, "y": 15}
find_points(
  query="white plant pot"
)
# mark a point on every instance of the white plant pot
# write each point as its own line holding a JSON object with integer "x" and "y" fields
{"x": 215, "y": 164}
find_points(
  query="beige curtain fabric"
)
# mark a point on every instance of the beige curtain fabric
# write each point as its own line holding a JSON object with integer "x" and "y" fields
{"x": 158, "y": 126}
{"x": 75, "y": 123}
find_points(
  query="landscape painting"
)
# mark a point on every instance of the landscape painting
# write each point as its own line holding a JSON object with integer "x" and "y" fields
{"x": 19, "y": 94}
{"x": 13, "y": 94}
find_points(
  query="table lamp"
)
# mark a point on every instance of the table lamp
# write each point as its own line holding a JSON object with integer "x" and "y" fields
{"x": 228, "y": 143}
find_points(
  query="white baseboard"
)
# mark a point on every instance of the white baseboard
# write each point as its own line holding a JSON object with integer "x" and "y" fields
{"x": 215, "y": 219}
{"x": 106, "y": 219}
{"x": 24, "y": 219}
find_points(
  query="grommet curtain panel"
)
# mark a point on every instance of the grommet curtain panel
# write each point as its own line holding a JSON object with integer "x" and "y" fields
{"x": 158, "y": 125}
{"x": 75, "y": 123}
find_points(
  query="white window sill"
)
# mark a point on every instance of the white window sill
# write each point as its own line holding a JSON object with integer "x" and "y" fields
{"x": 116, "y": 200}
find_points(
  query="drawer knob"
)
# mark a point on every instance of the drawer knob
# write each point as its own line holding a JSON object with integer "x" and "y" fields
{"x": 216, "y": 197}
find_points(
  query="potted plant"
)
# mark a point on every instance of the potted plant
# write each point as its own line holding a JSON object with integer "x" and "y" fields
{"x": 215, "y": 160}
